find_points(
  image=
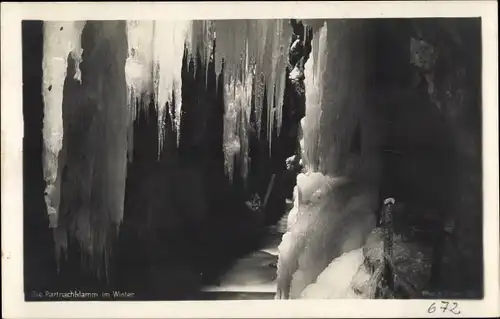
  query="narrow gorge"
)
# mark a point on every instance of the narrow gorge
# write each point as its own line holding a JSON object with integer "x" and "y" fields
{"x": 159, "y": 153}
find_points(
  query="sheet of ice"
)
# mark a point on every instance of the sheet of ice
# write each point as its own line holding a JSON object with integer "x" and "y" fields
{"x": 94, "y": 183}
{"x": 335, "y": 282}
{"x": 330, "y": 219}
{"x": 334, "y": 212}
{"x": 313, "y": 72}
{"x": 60, "y": 39}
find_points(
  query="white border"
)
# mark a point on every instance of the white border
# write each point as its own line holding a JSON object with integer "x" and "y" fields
{"x": 12, "y": 287}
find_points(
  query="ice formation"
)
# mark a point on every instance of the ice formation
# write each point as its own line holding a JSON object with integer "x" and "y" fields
{"x": 95, "y": 162}
{"x": 255, "y": 57}
{"x": 237, "y": 97}
{"x": 336, "y": 281}
{"x": 331, "y": 216}
{"x": 313, "y": 72}
{"x": 202, "y": 42}
{"x": 254, "y": 54}
{"x": 333, "y": 213}
{"x": 61, "y": 38}
{"x": 154, "y": 64}
{"x": 139, "y": 65}
{"x": 169, "y": 44}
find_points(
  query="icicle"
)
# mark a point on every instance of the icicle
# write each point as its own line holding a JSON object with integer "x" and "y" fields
{"x": 261, "y": 65}
{"x": 255, "y": 55}
{"x": 277, "y": 46}
{"x": 284, "y": 45}
{"x": 246, "y": 111}
{"x": 60, "y": 39}
{"x": 139, "y": 65}
{"x": 169, "y": 42}
{"x": 313, "y": 74}
{"x": 208, "y": 44}
{"x": 219, "y": 44}
{"x": 230, "y": 47}
{"x": 272, "y": 46}
{"x": 194, "y": 44}
{"x": 201, "y": 42}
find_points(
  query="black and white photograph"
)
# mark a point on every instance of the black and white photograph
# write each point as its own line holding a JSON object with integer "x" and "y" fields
{"x": 288, "y": 158}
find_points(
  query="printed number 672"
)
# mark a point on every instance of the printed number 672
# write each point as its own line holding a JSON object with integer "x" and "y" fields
{"x": 446, "y": 306}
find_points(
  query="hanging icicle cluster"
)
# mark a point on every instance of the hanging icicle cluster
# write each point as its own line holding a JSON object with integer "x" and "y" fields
{"x": 154, "y": 66}
{"x": 255, "y": 59}
{"x": 154, "y": 63}
{"x": 139, "y": 65}
{"x": 255, "y": 54}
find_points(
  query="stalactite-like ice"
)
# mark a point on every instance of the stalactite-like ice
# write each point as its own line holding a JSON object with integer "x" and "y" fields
{"x": 201, "y": 42}
{"x": 238, "y": 95}
{"x": 169, "y": 44}
{"x": 96, "y": 169}
{"x": 281, "y": 34}
{"x": 254, "y": 53}
{"x": 154, "y": 63}
{"x": 138, "y": 70}
{"x": 61, "y": 38}
{"x": 139, "y": 65}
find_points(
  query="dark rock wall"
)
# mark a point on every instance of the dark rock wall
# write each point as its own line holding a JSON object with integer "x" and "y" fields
{"x": 432, "y": 140}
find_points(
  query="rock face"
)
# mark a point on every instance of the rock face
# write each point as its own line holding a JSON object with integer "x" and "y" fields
{"x": 432, "y": 141}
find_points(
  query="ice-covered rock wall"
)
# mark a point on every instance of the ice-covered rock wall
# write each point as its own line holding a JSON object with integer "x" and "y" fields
{"x": 337, "y": 195}
{"x": 86, "y": 173}
{"x": 61, "y": 39}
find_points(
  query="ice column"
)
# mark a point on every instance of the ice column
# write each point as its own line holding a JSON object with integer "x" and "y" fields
{"x": 60, "y": 39}
{"x": 334, "y": 201}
